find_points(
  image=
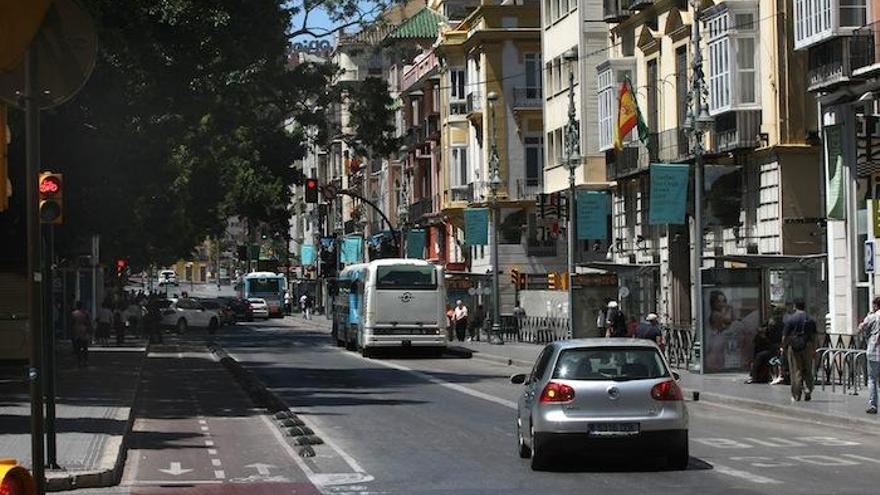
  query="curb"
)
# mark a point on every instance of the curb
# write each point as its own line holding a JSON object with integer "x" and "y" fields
{"x": 823, "y": 418}
{"x": 112, "y": 475}
{"x": 262, "y": 396}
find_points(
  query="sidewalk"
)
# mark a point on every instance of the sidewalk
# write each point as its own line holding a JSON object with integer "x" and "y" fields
{"x": 725, "y": 388}
{"x": 93, "y": 414}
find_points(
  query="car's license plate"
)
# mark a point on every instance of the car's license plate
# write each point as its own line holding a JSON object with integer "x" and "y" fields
{"x": 613, "y": 429}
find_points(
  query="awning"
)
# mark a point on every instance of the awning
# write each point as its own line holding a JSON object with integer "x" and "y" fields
{"x": 609, "y": 266}
{"x": 772, "y": 260}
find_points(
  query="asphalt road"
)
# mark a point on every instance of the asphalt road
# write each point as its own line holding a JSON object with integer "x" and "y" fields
{"x": 417, "y": 425}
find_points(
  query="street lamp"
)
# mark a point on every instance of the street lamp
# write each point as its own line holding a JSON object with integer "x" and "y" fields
{"x": 494, "y": 184}
{"x": 697, "y": 123}
{"x": 402, "y": 214}
{"x": 572, "y": 160}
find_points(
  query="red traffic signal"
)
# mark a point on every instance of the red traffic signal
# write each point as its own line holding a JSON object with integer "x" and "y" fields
{"x": 50, "y": 187}
{"x": 311, "y": 190}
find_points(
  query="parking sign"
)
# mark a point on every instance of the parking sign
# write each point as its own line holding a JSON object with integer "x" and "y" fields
{"x": 869, "y": 256}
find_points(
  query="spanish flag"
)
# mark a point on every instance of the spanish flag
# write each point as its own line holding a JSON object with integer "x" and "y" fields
{"x": 628, "y": 116}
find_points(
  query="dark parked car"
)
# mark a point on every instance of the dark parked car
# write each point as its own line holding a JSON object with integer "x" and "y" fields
{"x": 239, "y": 308}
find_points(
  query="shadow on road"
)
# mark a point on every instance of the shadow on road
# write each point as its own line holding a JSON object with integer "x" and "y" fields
{"x": 585, "y": 463}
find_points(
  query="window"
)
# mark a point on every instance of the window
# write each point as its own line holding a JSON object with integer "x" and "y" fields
{"x": 550, "y": 80}
{"x": 651, "y": 83}
{"x": 852, "y": 13}
{"x": 541, "y": 364}
{"x": 406, "y": 277}
{"x": 563, "y": 7}
{"x": 534, "y": 160}
{"x": 610, "y": 363}
{"x": 560, "y": 145}
{"x": 533, "y": 75}
{"x": 547, "y": 19}
{"x": 557, "y": 74}
{"x": 814, "y": 20}
{"x": 457, "y": 84}
{"x": 458, "y": 170}
{"x": 554, "y": 12}
{"x": 681, "y": 83}
{"x": 607, "y": 104}
{"x": 733, "y": 52}
{"x": 551, "y": 146}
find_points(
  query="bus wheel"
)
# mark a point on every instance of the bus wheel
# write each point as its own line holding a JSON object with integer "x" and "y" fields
{"x": 366, "y": 352}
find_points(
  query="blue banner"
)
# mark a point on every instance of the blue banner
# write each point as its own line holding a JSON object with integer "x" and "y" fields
{"x": 307, "y": 254}
{"x": 415, "y": 244}
{"x": 592, "y": 215}
{"x": 352, "y": 250}
{"x": 476, "y": 226}
{"x": 669, "y": 193}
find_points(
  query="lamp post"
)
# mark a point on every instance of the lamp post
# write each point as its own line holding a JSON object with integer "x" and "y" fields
{"x": 572, "y": 160}
{"x": 494, "y": 184}
{"x": 697, "y": 123}
{"x": 402, "y": 215}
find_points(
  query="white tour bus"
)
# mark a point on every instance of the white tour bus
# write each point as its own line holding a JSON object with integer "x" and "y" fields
{"x": 390, "y": 303}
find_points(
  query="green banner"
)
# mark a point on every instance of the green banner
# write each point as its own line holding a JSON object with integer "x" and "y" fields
{"x": 352, "y": 250}
{"x": 669, "y": 192}
{"x": 307, "y": 254}
{"x": 476, "y": 226}
{"x": 835, "y": 187}
{"x": 415, "y": 244}
{"x": 592, "y": 215}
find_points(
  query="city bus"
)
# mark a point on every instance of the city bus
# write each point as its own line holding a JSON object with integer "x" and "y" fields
{"x": 268, "y": 286}
{"x": 391, "y": 303}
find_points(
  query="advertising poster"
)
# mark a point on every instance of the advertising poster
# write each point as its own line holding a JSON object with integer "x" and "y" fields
{"x": 669, "y": 193}
{"x": 732, "y": 317}
{"x": 476, "y": 226}
{"x": 415, "y": 244}
{"x": 592, "y": 215}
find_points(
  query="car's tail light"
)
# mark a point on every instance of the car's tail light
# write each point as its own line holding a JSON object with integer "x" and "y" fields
{"x": 668, "y": 390}
{"x": 557, "y": 393}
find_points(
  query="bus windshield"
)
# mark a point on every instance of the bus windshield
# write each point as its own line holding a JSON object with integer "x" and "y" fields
{"x": 263, "y": 285}
{"x": 409, "y": 277}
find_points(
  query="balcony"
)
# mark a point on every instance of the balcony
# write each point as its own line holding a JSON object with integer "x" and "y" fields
{"x": 474, "y": 103}
{"x": 528, "y": 97}
{"x": 673, "y": 145}
{"x": 615, "y": 11}
{"x": 527, "y": 189}
{"x": 420, "y": 208}
{"x": 635, "y": 5}
{"x": 864, "y": 53}
{"x": 463, "y": 193}
{"x": 737, "y": 130}
{"x": 622, "y": 163}
{"x": 458, "y": 107}
{"x": 829, "y": 65}
{"x": 649, "y": 152}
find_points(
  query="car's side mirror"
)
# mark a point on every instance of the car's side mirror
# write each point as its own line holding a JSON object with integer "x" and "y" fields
{"x": 518, "y": 378}
{"x": 676, "y": 376}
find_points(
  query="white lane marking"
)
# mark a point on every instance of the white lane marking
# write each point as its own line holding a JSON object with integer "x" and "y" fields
{"x": 861, "y": 458}
{"x": 216, "y": 462}
{"x": 745, "y": 475}
{"x": 219, "y": 475}
{"x": 762, "y": 462}
{"x": 174, "y": 482}
{"x": 319, "y": 480}
{"x": 262, "y": 469}
{"x": 829, "y": 441}
{"x": 209, "y": 443}
{"x": 202, "y": 422}
{"x": 175, "y": 469}
{"x": 204, "y": 428}
{"x": 823, "y": 460}
{"x": 776, "y": 442}
{"x": 723, "y": 443}
{"x": 212, "y": 451}
{"x": 443, "y": 383}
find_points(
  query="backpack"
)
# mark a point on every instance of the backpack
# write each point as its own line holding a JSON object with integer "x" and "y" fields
{"x": 799, "y": 337}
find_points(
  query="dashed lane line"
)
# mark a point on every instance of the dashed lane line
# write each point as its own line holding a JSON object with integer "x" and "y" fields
{"x": 745, "y": 475}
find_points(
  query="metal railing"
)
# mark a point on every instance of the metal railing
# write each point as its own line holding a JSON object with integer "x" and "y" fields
{"x": 528, "y": 188}
{"x": 474, "y": 102}
{"x": 842, "y": 363}
{"x": 420, "y": 208}
{"x": 864, "y": 46}
{"x": 462, "y": 193}
{"x": 534, "y": 329}
{"x": 680, "y": 346}
{"x": 528, "y": 97}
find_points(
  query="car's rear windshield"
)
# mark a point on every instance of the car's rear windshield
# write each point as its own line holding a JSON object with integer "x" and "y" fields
{"x": 610, "y": 363}
{"x": 210, "y": 304}
{"x": 409, "y": 277}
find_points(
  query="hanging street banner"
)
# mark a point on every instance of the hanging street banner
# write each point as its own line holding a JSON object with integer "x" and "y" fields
{"x": 592, "y": 215}
{"x": 352, "y": 250}
{"x": 415, "y": 244}
{"x": 307, "y": 254}
{"x": 835, "y": 187}
{"x": 669, "y": 193}
{"x": 476, "y": 226}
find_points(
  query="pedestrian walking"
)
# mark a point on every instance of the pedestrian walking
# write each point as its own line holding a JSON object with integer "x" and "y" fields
{"x": 304, "y": 305}
{"x": 650, "y": 330}
{"x": 460, "y": 318}
{"x": 600, "y": 319}
{"x": 798, "y": 341}
{"x": 476, "y": 323}
{"x": 82, "y": 330}
{"x": 119, "y": 325}
{"x": 105, "y": 323}
{"x": 153, "y": 320}
{"x": 615, "y": 321}
{"x": 870, "y": 329}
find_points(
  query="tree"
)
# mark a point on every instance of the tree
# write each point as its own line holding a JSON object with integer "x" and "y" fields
{"x": 372, "y": 111}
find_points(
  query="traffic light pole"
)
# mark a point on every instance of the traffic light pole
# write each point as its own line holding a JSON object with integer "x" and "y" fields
{"x": 34, "y": 277}
{"x": 49, "y": 355}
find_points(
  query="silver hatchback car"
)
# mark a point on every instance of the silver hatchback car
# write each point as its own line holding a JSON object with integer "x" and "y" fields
{"x": 596, "y": 395}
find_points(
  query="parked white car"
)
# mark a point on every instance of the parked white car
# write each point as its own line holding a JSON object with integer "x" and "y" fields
{"x": 184, "y": 313}
{"x": 259, "y": 307}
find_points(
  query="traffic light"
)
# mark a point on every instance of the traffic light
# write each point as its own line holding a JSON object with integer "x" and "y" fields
{"x": 311, "y": 190}
{"x": 51, "y": 189}
{"x": 121, "y": 264}
{"x": 14, "y": 479}
{"x": 4, "y": 169}
{"x": 552, "y": 281}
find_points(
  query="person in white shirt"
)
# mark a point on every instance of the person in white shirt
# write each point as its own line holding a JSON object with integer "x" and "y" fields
{"x": 460, "y": 320}
{"x": 304, "y": 305}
